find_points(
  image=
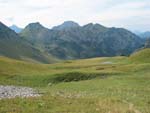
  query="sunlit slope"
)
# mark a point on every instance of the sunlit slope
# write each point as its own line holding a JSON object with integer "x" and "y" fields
{"x": 33, "y": 74}
{"x": 15, "y": 72}
{"x": 142, "y": 56}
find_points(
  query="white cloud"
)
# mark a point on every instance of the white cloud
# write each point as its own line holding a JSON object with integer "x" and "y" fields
{"x": 52, "y": 12}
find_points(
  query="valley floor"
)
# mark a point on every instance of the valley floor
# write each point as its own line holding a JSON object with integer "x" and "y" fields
{"x": 99, "y": 85}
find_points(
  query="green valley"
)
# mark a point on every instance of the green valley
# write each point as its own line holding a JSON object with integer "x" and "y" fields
{"x": 98, "y": 85}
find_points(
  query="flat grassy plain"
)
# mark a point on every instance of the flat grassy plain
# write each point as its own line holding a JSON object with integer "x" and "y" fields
{"x": 98, "y": 85}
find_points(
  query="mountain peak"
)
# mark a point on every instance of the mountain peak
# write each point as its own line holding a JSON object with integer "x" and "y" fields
{"x": 66, "y": 25}
{"x": 35, "y": 25}
{"x": 70, "y": 23}
{"x": 94, "y": 27}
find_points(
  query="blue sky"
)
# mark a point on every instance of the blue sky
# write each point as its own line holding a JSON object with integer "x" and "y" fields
{"x": 130, "y": 14}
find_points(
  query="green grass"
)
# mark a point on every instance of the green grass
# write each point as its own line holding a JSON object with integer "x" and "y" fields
{"x": 80, "y": 86}
{"x": 141, "y": 56}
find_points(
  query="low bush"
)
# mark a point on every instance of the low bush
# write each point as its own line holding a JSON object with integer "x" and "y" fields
{"x": 77, "y": 76}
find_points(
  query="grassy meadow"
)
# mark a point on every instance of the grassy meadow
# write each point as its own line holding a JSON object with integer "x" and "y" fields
{"x": 98, "y": 85}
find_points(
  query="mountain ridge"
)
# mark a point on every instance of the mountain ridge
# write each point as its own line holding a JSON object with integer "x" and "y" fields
{"x": 90, "y": 40}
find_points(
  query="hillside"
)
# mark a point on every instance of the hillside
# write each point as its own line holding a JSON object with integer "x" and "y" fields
{"x": 111, "y": 84}
{"x": 72, "y": 41}
{"x": 11, "y": 45}
{"x": 142, "y": 56}
{"x": 34, "y": 34}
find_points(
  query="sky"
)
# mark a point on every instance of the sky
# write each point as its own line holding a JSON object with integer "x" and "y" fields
{"x": 130, "y": 14}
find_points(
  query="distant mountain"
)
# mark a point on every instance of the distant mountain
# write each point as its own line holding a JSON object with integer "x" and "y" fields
{"x": 137, "y": 32}
{"x": 145, "y": 34}
{"x": 15, "y": 28}
{"x": 12, "y": 46}
{"x": 72, "y": 41}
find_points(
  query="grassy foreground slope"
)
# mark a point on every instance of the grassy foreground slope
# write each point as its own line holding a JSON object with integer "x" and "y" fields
{"x": 141, "y": 56}
{"x": 99, "y": 85}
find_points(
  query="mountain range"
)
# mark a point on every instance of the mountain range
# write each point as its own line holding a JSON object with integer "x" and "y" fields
{"x": 72, "y": 41}
{"x": 66, "y": 41}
